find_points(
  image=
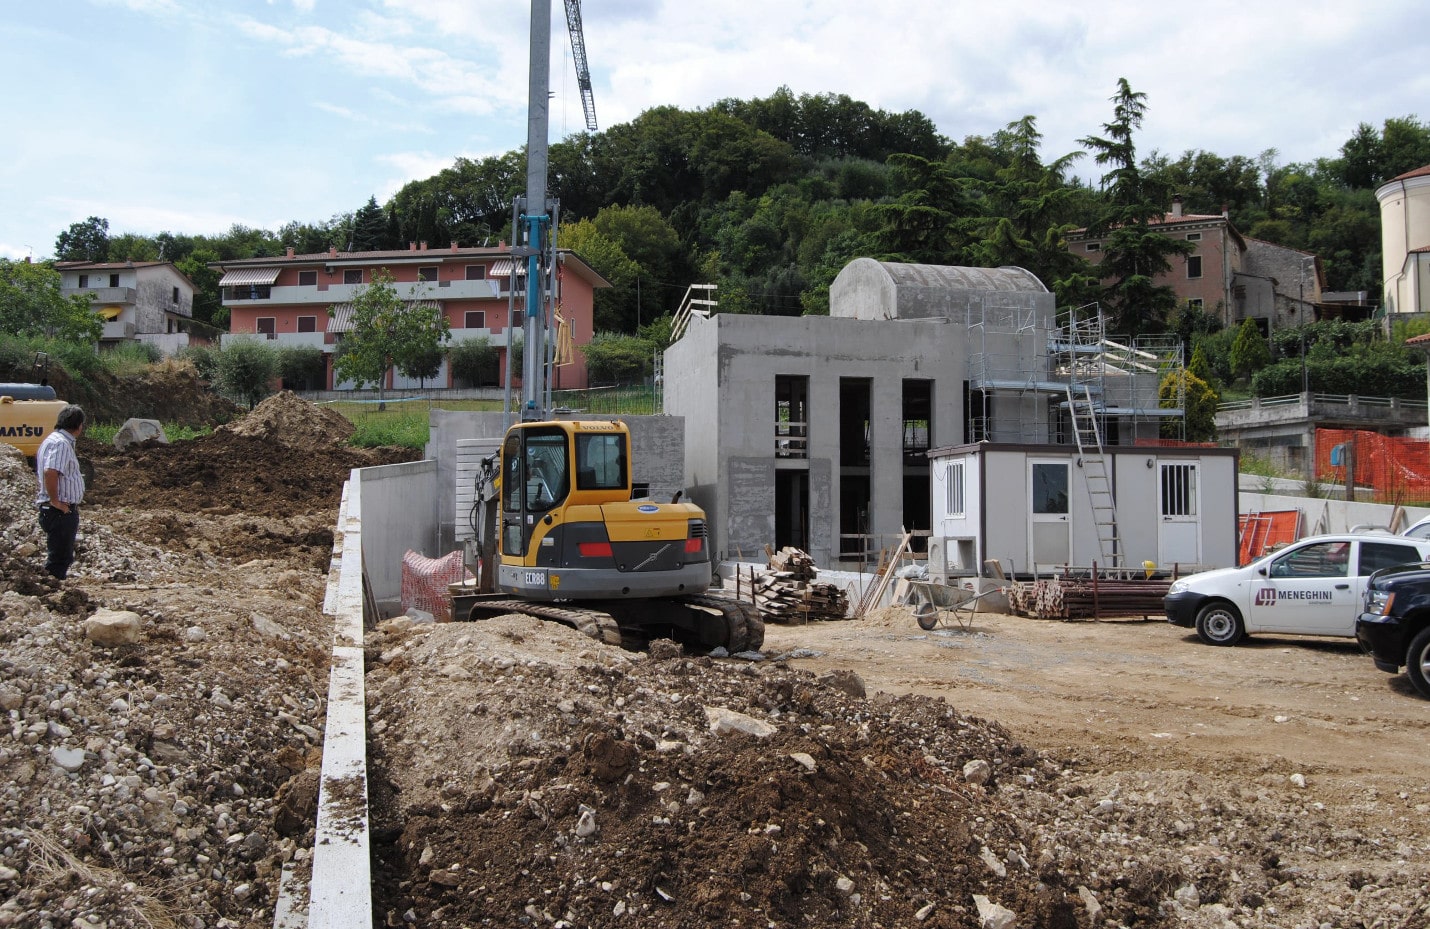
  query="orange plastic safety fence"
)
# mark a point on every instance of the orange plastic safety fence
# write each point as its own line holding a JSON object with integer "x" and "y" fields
{"x": 1385, "y": 469}
{"x": 1261, "y": 532}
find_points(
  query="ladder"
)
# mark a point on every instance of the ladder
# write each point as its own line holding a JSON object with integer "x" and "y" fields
{"x": 1083, "y": 414}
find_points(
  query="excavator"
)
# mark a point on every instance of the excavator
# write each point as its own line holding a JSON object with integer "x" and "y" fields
{"x": 562, "y": 532}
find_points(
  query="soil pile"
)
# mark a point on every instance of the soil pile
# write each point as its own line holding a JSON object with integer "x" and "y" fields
{"x": 165, "y": 781}
{"x": 287, "y": 419}
{"x": 170, "y": 392}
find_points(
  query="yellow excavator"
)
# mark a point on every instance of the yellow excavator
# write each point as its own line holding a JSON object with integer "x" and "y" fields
{"x": 561, "y": 531}
{"x": 28, "y": 411}
{"x": 567, "y": 541}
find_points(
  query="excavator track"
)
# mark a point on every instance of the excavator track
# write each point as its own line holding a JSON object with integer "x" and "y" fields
{"x": 746, "y": 629}
{"x": 594, "y": 623}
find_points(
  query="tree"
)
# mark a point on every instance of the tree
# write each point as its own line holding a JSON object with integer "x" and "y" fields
{"x": 369, "y": 232}
{"x": 1132, "y": 254}
{"x": 1199, "y": 402}
{"x": 32, "y": 304}
{"x": 387, "y": 331}
{"x": 86, "y": 241}
{"x": 302, "y": 367}
{"x": 208, "y": 297}
{"x": 247, "y": 369}
{"x": 1249, "y": 353}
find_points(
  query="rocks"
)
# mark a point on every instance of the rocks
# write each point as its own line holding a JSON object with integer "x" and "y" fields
{"x": 723, "y": 721}
{"x": 113, "y": 627}
{"x": 993, "y": 916}
{"x": 136, "y": 431}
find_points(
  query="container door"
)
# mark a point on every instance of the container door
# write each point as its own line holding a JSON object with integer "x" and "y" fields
{"x": 1179, "y": 533}
{"x": 1049, "y": 530}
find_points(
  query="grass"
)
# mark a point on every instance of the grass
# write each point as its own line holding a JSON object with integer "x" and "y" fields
{"x": 105, "y": 432}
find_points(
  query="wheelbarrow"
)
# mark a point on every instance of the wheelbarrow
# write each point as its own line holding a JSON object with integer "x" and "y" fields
{"x": 931, "y": 608}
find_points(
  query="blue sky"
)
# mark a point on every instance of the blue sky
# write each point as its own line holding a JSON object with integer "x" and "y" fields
{"x": 189, "y": 116}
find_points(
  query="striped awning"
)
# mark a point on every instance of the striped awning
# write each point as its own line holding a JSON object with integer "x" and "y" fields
{"x": 342, "y": 318}
{"x": 503, "y": 269}
{"x": 247, "y": 277}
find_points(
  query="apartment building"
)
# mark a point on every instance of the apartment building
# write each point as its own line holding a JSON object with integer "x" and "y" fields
{"x": 307, "y": 299}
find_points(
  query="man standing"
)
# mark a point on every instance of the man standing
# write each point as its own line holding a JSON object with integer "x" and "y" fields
{"x": 61, "y": 489}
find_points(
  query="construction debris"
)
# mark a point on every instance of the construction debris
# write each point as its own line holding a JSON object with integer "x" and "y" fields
{"x": 789, "y": 594}
{"x": 1065, "y": 597}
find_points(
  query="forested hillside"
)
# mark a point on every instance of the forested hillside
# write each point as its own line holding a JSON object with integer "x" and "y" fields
{"x": 770, "y": 198}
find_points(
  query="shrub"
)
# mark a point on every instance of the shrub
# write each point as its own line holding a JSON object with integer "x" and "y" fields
{"x": 302, "y": 367}
{"x": 475, "y": 362}
{"x": 247, "y": 369}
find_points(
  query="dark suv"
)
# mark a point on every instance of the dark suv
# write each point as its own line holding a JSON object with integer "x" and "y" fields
{"x": 1394, "y": 627}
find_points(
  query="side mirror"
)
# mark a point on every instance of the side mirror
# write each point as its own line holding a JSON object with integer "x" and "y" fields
{"x": 1262, "y": 571}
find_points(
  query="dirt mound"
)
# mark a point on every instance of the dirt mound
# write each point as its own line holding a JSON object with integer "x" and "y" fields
{"x": 525, "y": 774}
{"x": 287, "y": 419}
{"x": 170, "y": 392}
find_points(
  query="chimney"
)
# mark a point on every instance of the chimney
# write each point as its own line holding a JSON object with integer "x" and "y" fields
{"x": 412, "y": 246}
{"x": 1177, "y": 206}
{"x": 454, "y": 245}
{"x": 290, "y": 251}
{"x": 422, "y": 246}
{"x": 332, "y": 251}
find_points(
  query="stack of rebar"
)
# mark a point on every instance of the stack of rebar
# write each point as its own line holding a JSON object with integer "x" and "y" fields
{"x": 1094, "y": 597}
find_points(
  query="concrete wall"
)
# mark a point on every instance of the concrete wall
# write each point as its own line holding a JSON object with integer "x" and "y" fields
{"x": 657, "y": 449}
{"x": 720, "y": 377}
{"x": 400, "y": 505}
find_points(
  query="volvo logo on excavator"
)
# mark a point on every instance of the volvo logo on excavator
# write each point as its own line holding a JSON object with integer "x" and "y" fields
{"x": 652, "y": 557}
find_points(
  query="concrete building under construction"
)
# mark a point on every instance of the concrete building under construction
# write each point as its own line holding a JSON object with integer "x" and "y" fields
{"x": 815, "y": 432}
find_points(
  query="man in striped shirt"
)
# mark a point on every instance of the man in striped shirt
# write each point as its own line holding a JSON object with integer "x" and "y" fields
{"x": 61, "y": 489}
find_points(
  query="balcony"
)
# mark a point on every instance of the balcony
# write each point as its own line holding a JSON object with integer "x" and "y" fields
{"x": 102, "y": 295}
{"x": 325, "y": 292}
{"x": 117, "y": 331}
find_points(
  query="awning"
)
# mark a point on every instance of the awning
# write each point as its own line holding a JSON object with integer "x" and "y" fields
{"x": 342, "y": 318}
{"x": 110, "y": 312}
{"x": 247, "y": 277}
{"x": 503, "y": 269}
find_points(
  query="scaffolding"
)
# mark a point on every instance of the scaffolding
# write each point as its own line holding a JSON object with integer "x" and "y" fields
{"x": 1023, "y": 365}
{"x": 1034, "y": 381}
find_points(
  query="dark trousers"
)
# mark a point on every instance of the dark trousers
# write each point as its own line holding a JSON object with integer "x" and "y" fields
{"x": 60, "y": 531}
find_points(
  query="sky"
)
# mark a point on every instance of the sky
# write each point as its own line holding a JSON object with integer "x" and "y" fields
{"x": 189, "y": 116}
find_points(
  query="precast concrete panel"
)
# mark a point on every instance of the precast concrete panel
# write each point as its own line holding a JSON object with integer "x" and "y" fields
{"x": 750, "y": 518}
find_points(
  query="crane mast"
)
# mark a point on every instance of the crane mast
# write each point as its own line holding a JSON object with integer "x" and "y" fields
{"x": 534, "y": 217}
{"x": 532, "y": 236}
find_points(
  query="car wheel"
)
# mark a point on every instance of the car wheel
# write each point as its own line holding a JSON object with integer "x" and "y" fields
{"x": 1417, "y": 662}
{"x": 1220, "y": 624}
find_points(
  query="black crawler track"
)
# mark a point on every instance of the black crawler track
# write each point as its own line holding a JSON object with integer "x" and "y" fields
{"x": 704, "y": 620}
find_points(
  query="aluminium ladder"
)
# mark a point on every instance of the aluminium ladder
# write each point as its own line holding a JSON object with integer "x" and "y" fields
{"x": 1083, "y": 414}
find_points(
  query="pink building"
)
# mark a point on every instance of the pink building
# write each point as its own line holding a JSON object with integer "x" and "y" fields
{"x": 1228, "y": 274}
{"x": 288, "y": 299}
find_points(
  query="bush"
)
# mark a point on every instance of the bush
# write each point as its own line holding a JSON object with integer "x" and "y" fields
{"x": 247, "y": 369}
{"x": 129, "y": 358}
{"x": 1365, "y": 374}
{"x": 204, "y": 358}
{"x": 302, "y": 367}
{"x": 475, "y": 363}
{"x": 612, "y": 358}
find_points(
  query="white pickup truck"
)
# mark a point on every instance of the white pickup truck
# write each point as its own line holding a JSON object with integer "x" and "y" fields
{"x": 1311, "y": 587}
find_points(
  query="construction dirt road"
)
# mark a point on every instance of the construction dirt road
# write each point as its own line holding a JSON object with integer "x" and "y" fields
{"x": 1023, "y": 772}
